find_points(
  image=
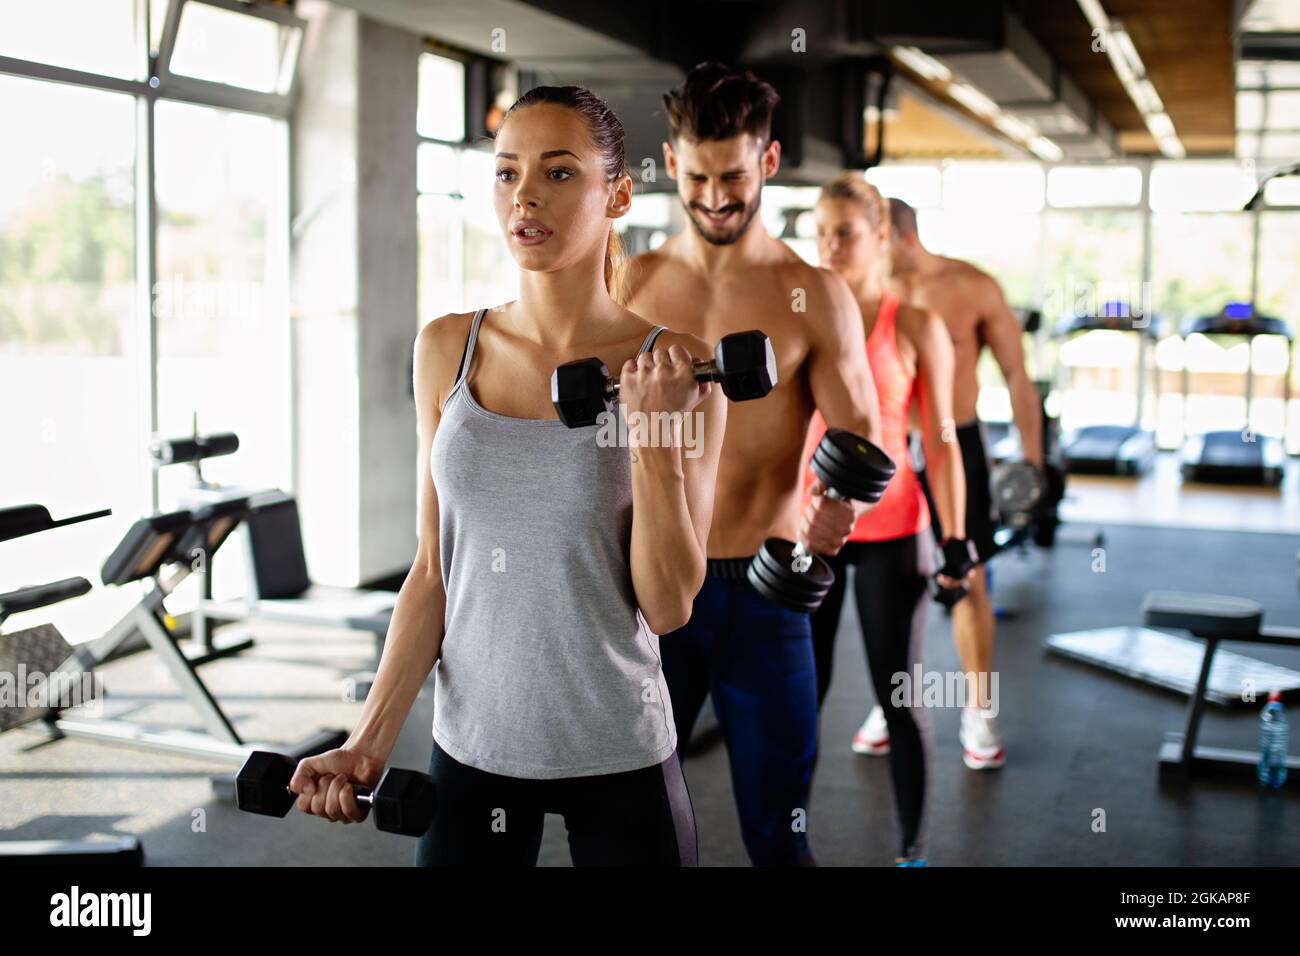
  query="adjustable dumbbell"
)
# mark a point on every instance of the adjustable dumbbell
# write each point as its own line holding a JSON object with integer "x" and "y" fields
{"x": 404, "y": 802}
{"x": 1017, "y": 488}
{"x": 851, "y": 468}
{"x": 743, "y": 363}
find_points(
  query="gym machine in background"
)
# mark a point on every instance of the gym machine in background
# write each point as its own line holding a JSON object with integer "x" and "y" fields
{"x": 1113, "y": 449}
{"x": 1240, "y": 455}
{"x": 162, "y": 551}
{"x": 277, "y": 585}
{"x": 42, "y": 652}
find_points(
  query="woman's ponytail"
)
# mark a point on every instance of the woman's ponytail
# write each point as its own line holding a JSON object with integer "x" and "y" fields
{"x": 616, "y": 267}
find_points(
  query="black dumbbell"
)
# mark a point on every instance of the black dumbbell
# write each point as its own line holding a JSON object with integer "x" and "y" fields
{"x": 743, "y": 363}
{"x": 851, "y": 468}
{"x": 404, "y": 802}
{"x": 1017, "y": 488}
{"x": 959, "y": 557}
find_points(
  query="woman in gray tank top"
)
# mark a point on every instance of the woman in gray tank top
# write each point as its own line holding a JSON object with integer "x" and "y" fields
{"x": 550, "y": 559}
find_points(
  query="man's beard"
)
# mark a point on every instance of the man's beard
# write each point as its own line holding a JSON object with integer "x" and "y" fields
{"x": 747, "y": 216}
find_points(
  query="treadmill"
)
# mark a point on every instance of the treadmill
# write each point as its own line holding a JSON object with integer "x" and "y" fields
{"x": 1113, "y": 449}
{"x": 1237, "y": 456}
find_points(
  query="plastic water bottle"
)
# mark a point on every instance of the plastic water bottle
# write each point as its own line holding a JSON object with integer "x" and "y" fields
{"x": 1272, "y": 742}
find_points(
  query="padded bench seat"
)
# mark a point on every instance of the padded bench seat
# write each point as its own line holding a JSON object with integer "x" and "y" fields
{"x": 1205, "y": 615}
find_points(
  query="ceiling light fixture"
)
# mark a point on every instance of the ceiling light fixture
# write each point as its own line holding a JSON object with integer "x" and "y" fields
{"x": 922, "y": 63}
{"x": 1132, "y": 73}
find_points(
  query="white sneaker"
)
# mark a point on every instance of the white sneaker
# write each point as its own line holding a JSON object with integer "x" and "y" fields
{"x": 981, "y": 744}
{"x": 872, "y": 738}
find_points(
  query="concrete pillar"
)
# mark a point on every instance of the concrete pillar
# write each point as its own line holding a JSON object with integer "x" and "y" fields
{"x": 354, "y": 269}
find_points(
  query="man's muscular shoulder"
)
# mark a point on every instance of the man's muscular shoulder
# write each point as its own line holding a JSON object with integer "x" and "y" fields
{"x": 969, "y": 277}
{"x": 823, "y": 290}
{"x": 643, "y": 267}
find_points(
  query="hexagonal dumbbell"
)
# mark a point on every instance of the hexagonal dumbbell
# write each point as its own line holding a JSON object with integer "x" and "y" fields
{"x": 404, "y": 802}
{"x": 743, "y": 363}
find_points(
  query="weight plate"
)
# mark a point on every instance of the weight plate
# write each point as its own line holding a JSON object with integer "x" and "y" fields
{"x": 772, "y": 576}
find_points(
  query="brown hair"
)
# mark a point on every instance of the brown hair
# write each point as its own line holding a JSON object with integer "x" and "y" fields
{"x": 606, "y": 134}
{"x": 851, "y": 185}
{"x": 903, "y": 217}
{"x": 716, "y": 102}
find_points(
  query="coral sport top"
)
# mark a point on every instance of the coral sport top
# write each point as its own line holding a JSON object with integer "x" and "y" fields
{"x": 902, "y": 510}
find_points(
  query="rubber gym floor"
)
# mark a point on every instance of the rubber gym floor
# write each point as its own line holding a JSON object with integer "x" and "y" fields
{"x": 1077, "y": 739}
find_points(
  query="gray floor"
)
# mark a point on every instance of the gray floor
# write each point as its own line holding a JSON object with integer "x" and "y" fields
{"x": 1078, "y": 740}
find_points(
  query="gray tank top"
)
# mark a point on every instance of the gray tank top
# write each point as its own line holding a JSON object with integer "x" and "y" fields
{"x": 548, "y": 668}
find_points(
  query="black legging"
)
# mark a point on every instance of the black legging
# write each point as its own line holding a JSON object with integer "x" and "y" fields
{"x": 635, "y": 818}
{"x": 889, "y": 584}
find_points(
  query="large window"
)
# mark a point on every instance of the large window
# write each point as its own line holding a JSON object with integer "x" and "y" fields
{"x": 94, "y": 275}
{"x": 70, "y": 362}
{"x": 223, "y": 331}
{"x": 1092, "y": 258}
{"x": 1074, "y": 238}
{"x": 464, "y": 264}
{"x": 98, "y": 36}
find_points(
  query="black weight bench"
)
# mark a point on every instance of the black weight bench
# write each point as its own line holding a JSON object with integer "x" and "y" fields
{"x": 1214, "y": 618}
{"x": 280, "y": 588}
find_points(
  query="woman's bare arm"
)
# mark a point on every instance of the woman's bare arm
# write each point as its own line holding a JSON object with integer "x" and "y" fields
{"x": 415, "y": 633}
{"x": 672, "y": 507}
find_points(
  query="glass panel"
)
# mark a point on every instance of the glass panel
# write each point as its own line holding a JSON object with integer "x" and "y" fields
{"x": 441, "y": 289}
{"x": 1074, "y": 186}
{"x": 1253, "y": 74}
{"x": 1279, "y": 109}
{"x": 1279, "y": 146}
{"x": 441, "y": 112}
{"x": 1198, "y": 264}
{"x": 491, "y": 276}
{"x": 776, "y": 200}
{"x": 1194, "y": 187}
{"x": 653, "y": 210}
{"x": 93, "y": 35}
{"x": 222, "y": 46}
{"x": 70, "y": 370}
{"x": 1250, "y": 110}
{"x": 223, "y": 330}
{"x": 918, "y": 186}
{"x": 1283, "y": 191}
{"x": 1279, "y": 280}
{"x": 1012, "y": 259}
{"x": 1006, "y": 187}
{"x": 437, "y": 169}
{"x": 1092, "y": 258}
{"x": 1279, "y": 265}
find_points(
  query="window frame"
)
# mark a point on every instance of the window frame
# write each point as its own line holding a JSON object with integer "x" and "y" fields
{"x": 160, "y": 84}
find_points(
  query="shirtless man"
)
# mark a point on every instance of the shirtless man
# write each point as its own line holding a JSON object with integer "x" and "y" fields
{"x": 726, "y": 274}
{"x": 971, "y": 304}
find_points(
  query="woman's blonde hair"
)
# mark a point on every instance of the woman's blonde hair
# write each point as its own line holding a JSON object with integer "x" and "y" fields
{"x": 616, "y": 267}
{"x": 851, "y": 185}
